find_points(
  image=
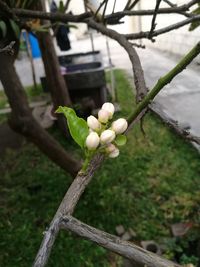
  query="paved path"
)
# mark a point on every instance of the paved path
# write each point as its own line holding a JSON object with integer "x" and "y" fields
{"x": 180, "y": 99}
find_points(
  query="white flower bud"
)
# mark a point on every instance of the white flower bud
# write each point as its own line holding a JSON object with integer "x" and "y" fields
{"x": 119, "y": 126}
{"x": 92, "y": 141}
{"x": 110, "y": 148}
{"x": 103, "y": 116}
{"x": 107, "y": 136}
{"x": 109, "y": 107}
{"x": 93, "y": 123}
{"x": 114, "y": 154}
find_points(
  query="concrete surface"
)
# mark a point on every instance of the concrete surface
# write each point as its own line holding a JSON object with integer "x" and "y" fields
{"x": 180, "y": 99}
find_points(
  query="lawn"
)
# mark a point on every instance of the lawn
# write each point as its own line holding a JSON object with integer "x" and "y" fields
{"x": 151, "y": 185}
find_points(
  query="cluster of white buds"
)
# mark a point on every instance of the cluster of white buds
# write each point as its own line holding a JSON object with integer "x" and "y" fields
{"x": 103, "y": 133}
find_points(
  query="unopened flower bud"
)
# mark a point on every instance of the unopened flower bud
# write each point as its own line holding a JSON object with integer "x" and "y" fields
{"x": 109, "y": 107}
{"x": 92, "y": 141}
{"x": 119, "y": 126}
{"x": 93, "y": 123}
{"x": 114, "y": 154}
{"x": 107, "y": 136}
{"x": 103, "y": 116}
{"x": 110, "y": 148}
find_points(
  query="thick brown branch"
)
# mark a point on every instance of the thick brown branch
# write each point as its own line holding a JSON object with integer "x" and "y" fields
{"x": 115, "y": 244}
{"x": 24, "y": 13}
{"x": 66, "y": 207}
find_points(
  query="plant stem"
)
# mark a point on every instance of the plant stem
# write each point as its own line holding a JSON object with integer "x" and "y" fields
{"x": 165, "y": 80}
{"x": 85, "y": 165}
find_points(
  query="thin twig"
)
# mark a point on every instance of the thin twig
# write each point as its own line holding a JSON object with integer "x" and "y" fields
{"x": 104, "y": 10}
{"x": 149, "y": 12}
{"x": 156, "y": 108}
{"x": 164, "y": 81}
{"x": 127, "y": 5}
{"x": 98, "y": 9}
{"x": 173, "y": 5}
{"x": 8, "y": 49}
{"x": 153, "y": 22}
{"x": 113, "y": 10}
{"x": 141, "y": 35}
{"x": 133, "y": 4}
{"x": 138, "y": 45}
{"x": 67, "y": 5}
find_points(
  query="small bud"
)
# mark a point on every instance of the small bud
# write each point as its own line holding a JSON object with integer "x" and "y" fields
{"x": 92, "y": 141}
{"x": 93, "y": 123}
{"x": 114, "y": 154}
{"x": 107, "y": 136}
{"x": 119, "y": 126}
{"x": 103, "y": 116}
{"x": 110, "y": 148}
{"x": 109, "y": 107}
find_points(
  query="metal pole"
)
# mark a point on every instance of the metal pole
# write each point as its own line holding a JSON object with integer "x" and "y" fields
{"x": 112, "y": 76}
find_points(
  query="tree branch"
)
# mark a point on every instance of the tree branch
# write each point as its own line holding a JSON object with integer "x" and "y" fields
{"x": 66, "y": 207}
{"x": 8, "y": 49}
{"x": 165, "y": 80}
{"x": 133, "y": 4}
{"x": 115, "y": 244}
{"x": 149, "y": 12}
{"x": 172, "y": 27}
{"x": 153, "y": 22}
{"x": 57, "y": 16}
{"x": 174, "y": 124}
{"x": 141, "y": 89}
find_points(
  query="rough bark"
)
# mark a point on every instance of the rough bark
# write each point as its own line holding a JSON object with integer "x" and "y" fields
{"x": 66, "y": 207}
{"x": 22, "y": 121}
{"x": 55, "y": 81}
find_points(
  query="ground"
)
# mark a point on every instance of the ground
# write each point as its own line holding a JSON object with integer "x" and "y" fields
{"x": 151, "y": 185}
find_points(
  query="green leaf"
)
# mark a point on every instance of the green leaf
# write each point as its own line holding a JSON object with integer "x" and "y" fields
{"x": 15, "y": 28}
{"x": 77, "y": 126}
{"x": 120, "y": 140}
{"x": 3, "y": 28}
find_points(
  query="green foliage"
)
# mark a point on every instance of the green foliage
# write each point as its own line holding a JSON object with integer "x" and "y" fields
{"x": 134, "y": 190}
{"x": 26, "y": 4}
{"x": 15, "y": 28}
{"x": 3, "y": 28}
{"x": 77, "y": 126}
{"x": 186, "y": 260}
{"x": 120, "y": 140}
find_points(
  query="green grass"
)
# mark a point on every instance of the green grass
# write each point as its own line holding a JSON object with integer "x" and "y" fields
{"x": 31, "y": 93}
{"x": 152, "y": 184}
